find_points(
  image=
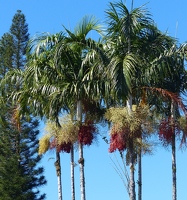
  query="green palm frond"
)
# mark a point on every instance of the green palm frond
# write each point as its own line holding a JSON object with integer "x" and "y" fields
{"x": 87, "y": 24}
{"x": 45, "y": 41}
{"x": 127, "y": 23}
{"x": 130, "y": 64}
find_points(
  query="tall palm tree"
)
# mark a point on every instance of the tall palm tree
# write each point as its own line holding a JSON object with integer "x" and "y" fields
{"x": 83, "y": 83}
{"x": 124, "y": 28}
{"x": 60, "y": 137}
{"x": 175, "y": 82}
{"x": 130, "y": 37}
{"x": 31, "y": 95}
{"x": 41, "y": 56}
{"x": 61, "y": 73}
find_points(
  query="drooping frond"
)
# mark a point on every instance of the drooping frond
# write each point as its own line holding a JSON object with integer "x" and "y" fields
{"x": 87, "y": 24}
{"x": 45, "y": 41}
{"x": 170, "y": 96}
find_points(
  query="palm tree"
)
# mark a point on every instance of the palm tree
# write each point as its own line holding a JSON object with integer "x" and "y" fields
{"x": 60, "y": 74}
{"x": 130, "y": 37}
{"x": 83, "y": 84}
{"x": 60, "y": 137}
{"x": 125, "y": 28}
{"x": 174, "y": 83}
{"x": 45, "y": 47}
{"x": 31, "y": 96}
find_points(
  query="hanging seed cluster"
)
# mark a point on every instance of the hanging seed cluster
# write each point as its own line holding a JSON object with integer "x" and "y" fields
{"x": 64, "y": 136}
{"x": 126, "y": 126}
{"x": 15, "y": 119}
{"x": 86, "y": 134}
{"x": 167, "y": 129}
{"x": 67, "y": 132}
{"x": 44, "y": 144}
{"x": 120, "y": 137}
{"x": 117, "y": 142}
{"x": 63, "y": 147}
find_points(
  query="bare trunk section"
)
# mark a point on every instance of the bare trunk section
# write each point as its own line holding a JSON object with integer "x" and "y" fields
{"x": 81, "y": 157}
{"x": 140, "y": 175}
{"x": 173, "y": 147}
{"x": 174, "y": 170}
{"x": 58, "y": 172}
{"x": 81, "y": 167}
{"x": 132, "y": 192}
{"x": 129, "y": 103}
{"x": 72, "y": 175}
{"x": 132, "y": 182}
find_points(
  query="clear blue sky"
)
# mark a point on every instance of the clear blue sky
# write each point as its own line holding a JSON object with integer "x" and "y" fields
{"x": 102, "y": 182}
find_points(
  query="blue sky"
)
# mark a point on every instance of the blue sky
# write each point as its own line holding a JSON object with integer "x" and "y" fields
{"x": 102, "y": 182}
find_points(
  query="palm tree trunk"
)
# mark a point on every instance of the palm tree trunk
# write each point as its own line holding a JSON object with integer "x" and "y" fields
{"x": 129, "y": 103}
{"x": 72, "y": 174}
{"x": 140, "y": 175}
{"x": 58, "y": 172}
{"x": 81, "y": 157}
{"x": 173, "y": 147}
{"x": 174, "y": 177}
{"x": 131, "y": 165}
{"x": 81, "y": 166}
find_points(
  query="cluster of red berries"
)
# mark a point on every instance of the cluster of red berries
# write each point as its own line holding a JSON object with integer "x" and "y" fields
{"x": 117, "y": 142}
{"x": 64, "y": 147}
{"x": 166, "y": 130}
{"x": 119, "y": 139}
{"x": 86, "y": 134}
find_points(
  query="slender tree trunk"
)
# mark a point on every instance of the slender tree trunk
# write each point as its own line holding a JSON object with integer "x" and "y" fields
{"x": 82, "y": 177}
{"x": 174, "y": 167}
{"x": 81, "y": 157}
{"x": 125, "y": 173}
{"x": 58, "y": 172}
{"x": 72, "y": 174}
{"x": 140, "y": 175}
{"x": 132, "y": 182}
{"x": 131, "y": 165}
{"x": 129, "y": 103}
{"x": 173, "y": 147}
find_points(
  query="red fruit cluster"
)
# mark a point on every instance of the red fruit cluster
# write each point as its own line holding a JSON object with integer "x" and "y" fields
{"x": 117, "y": 142}
{"x": 86, "y": 134}
{"x": 166, "y": 130}
{"x": 64, "y": 147}
{"x": 119, "y": 139}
